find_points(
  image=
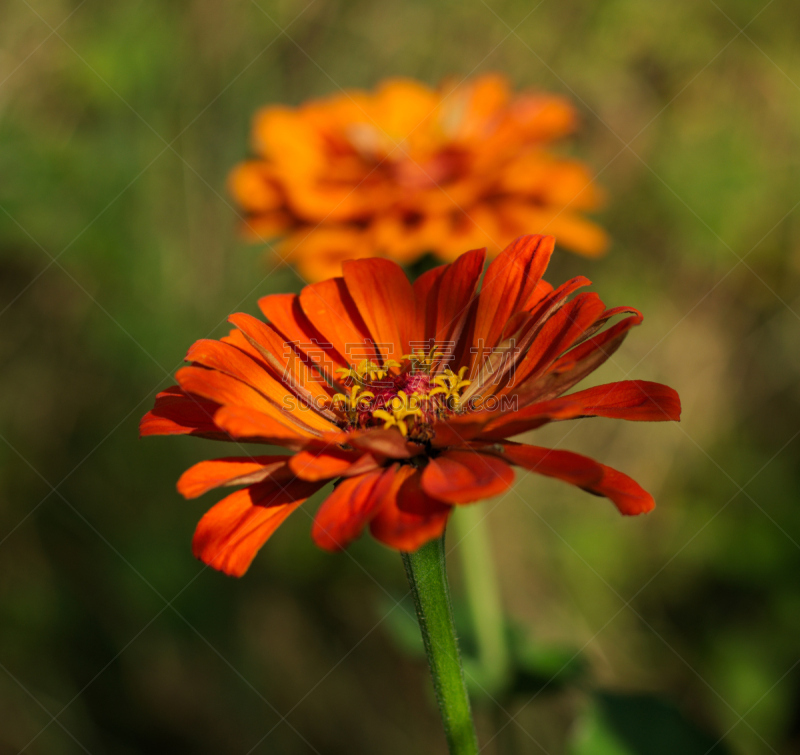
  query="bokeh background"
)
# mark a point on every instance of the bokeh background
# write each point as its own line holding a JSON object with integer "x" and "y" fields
{"x": 118, "y": 248}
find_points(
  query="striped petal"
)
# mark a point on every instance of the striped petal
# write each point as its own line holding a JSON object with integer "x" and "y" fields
{"x": 285, "y": 313}
{"x": 230, "y": 392}
{"x": 509, "y": 282}
{"x": 385, "y": 299}
{"x": 576, "y": 364}
{"x": 330, "y": 308}
{"x": 444, "y": 297}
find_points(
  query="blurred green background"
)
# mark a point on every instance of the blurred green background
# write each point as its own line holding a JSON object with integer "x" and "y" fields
{"x": 118, "y": 248}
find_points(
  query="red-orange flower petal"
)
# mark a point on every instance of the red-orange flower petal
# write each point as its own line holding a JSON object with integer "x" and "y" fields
{"x": 411, "y": 496}
{"x": 445, "y": 304}
{"x": 235, "y": 470}
{"x": 286, "y": 315}
{"x": 558, "y": 334}
{"x": 231, "y": 393}
{"x": 385, "y": 299}
{"x": 230, "y": 534}
{"x": 508, "y": 284}
{"x": 541, "y": 413}
{"x": 225, "y": 358}
{"x": 178, "y": 413}
{"x": 331, "y": 309}
{"x": 348, "y": 509}
{"x": 466, "y": 477}
{"x": 287, "y": 365}
{"x": 406, "y": 530}
{"x": 331, "y": 462}
{"x": 627, "y": 495}
{"x": 402, "y": 442}
{"x": 636, "y": 400}
{"x": 577, "y": 363}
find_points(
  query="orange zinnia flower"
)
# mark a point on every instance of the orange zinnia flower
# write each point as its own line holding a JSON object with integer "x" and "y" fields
{"x": 408, "y": 170}
{"x": 404, "y": 394}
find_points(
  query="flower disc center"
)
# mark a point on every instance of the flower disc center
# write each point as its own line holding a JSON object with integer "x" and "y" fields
{"x": 410, "y": 395}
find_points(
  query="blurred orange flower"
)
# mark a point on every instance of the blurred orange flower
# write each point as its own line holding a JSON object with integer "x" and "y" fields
{"x": 406, "y": 170}
{"x": 404, "y": 396}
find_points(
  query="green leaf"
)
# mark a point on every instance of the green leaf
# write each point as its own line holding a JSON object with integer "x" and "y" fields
{"x": 618, "y": 724}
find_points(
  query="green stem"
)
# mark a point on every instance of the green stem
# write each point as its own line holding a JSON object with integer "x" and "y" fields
{"x": 483, "y": 599}
{"x": 427, "y": 576}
